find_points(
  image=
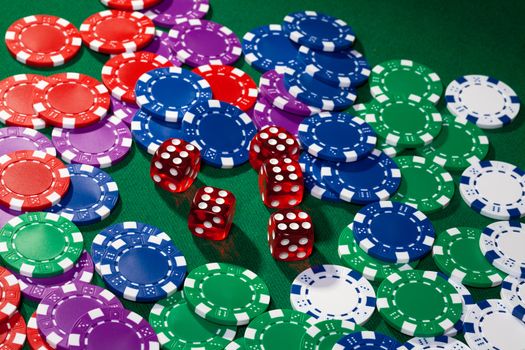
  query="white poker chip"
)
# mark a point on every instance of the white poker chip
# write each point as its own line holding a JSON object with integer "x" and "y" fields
{"x": 513, "y": 295}
{"x": 445, "y": 343}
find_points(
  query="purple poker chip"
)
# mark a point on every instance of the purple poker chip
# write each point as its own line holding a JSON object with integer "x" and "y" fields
{"x": 272, "y": 88}
{"x": 102, "y": 144}
{"x": 107, "y": 328}
{"x": 7, "y": 214}
{"x": 36, "y": 288}
{"x": 61, "y": 307}
{"x": 265, "y": 114}
{"x": 168, "y": 12}
{"x": 161, "y": 45}
{"x": 199, "y": 42}
{"x": 16, "y": 138}
{"x": 123, "y": 110}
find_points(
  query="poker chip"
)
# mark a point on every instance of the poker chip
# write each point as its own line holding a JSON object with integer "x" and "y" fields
{"x": 226, "y": 149}
{"x": 91, "y": 197}
{"x": 15, "y": 138}
{"x": 494, "y": 189}
{"x": 121, "y": 73}
{"x": 313, "y": 181}
{"x": 336, "y": 137}
{"x": 199, "y": 42}
{"x": 467, "y": 300}
{"x": 161, "y": 45}
{"x": 42, "y": 41}
{"x": 356, "y": 258}
{"x": 342, "y": 68}
{"x": 389, "y": 150}
{"x": 226, "y": 294}
{"x": 501, "y": 243}
{"x": 130, "y": 5}
{"x": 166, "y": 13}
{"x": 40, "y": 245}
{"x": 16, "y": 101}
{"x": 103, "y": 144}
{"x": 366, "y": 340}
{"x": 6, "y": 215}
{"x": 237, "y": 344}
{"x": 457, "y": 253}
{"x": 105, "y": 326}
{"x": 268, "y": 47}
{"x": 36, "y": 288}
{"x": 34, "y": 339}
{"x": 436, "y": 343}
{"x": 115, "y": 32}
{"x": 30, "y": 192}
{"x": 265, "y": 331}
{"x": 373, "y": 178}
{"x": 407, "y": 123}
{"x": 154, "y": 91}
{"x": 482, "y": 100}
{"x": 272, "y": 88}
{"x": 513, "y": 294}
{"x": 264, "y": 114}
{"x": 123, "y": 111}
{"x": 318, "y": 31}
{"x": 61, "y": 307}
{"x": 400, "y": 79}
{"x": 419, "y": 303}
{"x": 230, "y": 84}
{"x": 490, "y": 325}
{"x": 393, "y": 231}
{"x": 309, "y": 90}
{"x": 458, "y": 145}
{"x": 177, "y": 327}
{"x": 325, "y": 334}
{"x": 71, "y": 100}
{"x": 333, "y": 292}
{"x": 10, "y": 294}
{"x": 150, "y": 133}
{"x": 425, "y": 185}
{"x": 13, "y": 332}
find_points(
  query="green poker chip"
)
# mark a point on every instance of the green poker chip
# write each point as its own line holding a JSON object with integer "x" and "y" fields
{"x": 323, "y": 335}
{"x": 226, "y": 294}
{"x": 419, "y": 303}
{"x": 424, "y": 184}
{"x": 457, "y": 253}
{"x": 40, "y": 244}
{"x": 403, "y": 78}
{"x": 277, "y": 329}
{"x": 459, "y": 145}
{"x": 389, "y": 150}
{"x": 408, "y": 123}
{"x": 238, "y": 344}
{"x": 178, "y": 328}
{"x": 356, "y": 258}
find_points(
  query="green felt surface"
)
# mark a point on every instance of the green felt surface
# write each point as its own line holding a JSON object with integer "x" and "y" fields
{"x": 452, "y": 37}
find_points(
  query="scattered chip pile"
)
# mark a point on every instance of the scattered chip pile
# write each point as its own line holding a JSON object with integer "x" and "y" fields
{"x": 301, "y": 132}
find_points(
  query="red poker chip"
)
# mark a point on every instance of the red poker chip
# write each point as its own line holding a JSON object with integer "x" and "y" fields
{"x": 13, "y": 333}
{"x": 113, "y": 32}
{"x": 16, "y": 101}
{"x": 35, "y": 340}
{"x": 10, "y": 296}
{"x": 130, "y": 5}
{"x": 43, "y": 40}
{"x": 32, "y": 180}
{"x": 230, "y": 84}
{"x": 71, "y": 100}
{"x": 120, "y": 73}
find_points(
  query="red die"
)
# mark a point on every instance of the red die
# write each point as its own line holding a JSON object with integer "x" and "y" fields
{"x": 211, "y": 213}
{"x": 270, "y": 142}
{"x": 290, "y": 235}
{"x": 175, "y": 165}
{"x": 281, "y": 183}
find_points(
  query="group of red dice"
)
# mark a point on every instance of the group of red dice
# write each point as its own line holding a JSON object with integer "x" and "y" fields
{"x": 274, "y": 154}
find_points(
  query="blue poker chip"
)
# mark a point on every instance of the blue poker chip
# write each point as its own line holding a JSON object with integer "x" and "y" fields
{"x": 268, "y": 47}
{"x": 393, "y": 232}
{"x": 91, "y": 197}
{"x": 222, "y": 133}
{"x": 313, "y": 180}
{"x": 318, "y": 31}
{"x": 168, "y": 93}
{"x": 313, "y": 92}
{"x": 143, "y": 267}
{"x": 342, "y": 69}
{"x": 373, "y": 178}
{"x": 150, "y": 132}
{"x": 337, "y": 137}
{"x": 366, "y": 341}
